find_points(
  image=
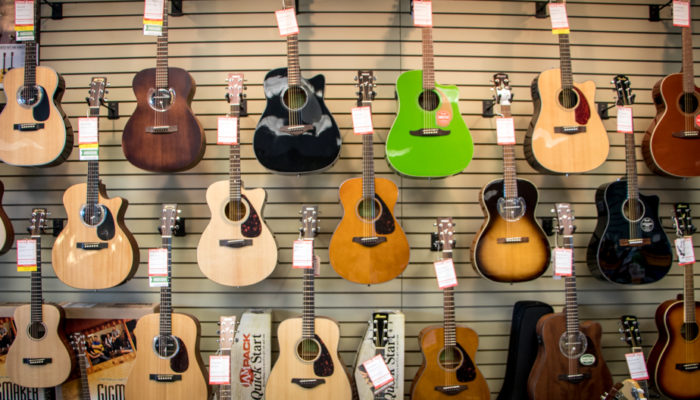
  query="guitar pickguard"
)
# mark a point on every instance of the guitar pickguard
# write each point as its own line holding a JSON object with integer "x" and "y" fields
{"x": 106, "y": 230}
{"x": 384, "y": 225}
{"x": 252, "y": 227}
{"x": 323, "y": 366}
{"x": 180, "y": 362}
{"x": 42, "y": 110}
{"x": 582, "y": 112}
{"x": 467, "y": 371}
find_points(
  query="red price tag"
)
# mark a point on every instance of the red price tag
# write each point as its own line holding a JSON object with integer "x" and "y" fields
{"x": 563, "y": 262}
{"x": 559, "y": 19}
{"x": 505, "y": 131}
{"x": 227, "y": 130}
{"x": 219, "y": 370}
{"x": 423, "y": 13}
{"x": 287, "y": 22}
{"x": 378, "y": 372}
{"x": 153, "y": 17}
{"x": 26, "y": 255}
{"x": 681, "y": 13}
{"x": 303, "y": 253}
{"x": 445, "y": 273}
{"x": 637, "y": 366}
{"x": 624, "y": 120}
{"x": 24, "y": 20}
{"x": 685, "y": 251}
{"x": 362, "y": 120}
{"x": 157, "y": 267}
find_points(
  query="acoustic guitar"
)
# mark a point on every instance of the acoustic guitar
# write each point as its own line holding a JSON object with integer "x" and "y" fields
{"x": 569, "y": 363}
{"x": 368, "y": 246}
{"x": 628, "y": 389}
{"x": 7, "y": 233}
{"x": 236, "y": 248}
{"x": 34, "y": 130}
{"x": 77, "y": 341}
{"x": 628, "y": 245}
{"x": 309, "y": 365}
{"x": 227, "y": 333}
{"x": 565, "y": 134}
{"x": 163, "y": 134}
{"x": 95, "y": 250}
{"x": 381, "y": 325}
{"x": 39, "y": 356}
{"x": 674, "y": 361}
{"x": 296, "y": 133}
{"x": 672, "y": 142}
{"x": 510, "y": 246}
{"x": 168, "y": 364}
{"x": 629, "y": 328}
{"x": 429, "y": 138}
{"x": 448, "y": 370}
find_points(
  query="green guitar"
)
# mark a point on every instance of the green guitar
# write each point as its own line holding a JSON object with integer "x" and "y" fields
{"x": 429, "y": 138}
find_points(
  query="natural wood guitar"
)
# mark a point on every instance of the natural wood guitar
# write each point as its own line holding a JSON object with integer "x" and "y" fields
{"x": 309, "y": 365}
{"x": 629, "y": 328}
{"x": 163, "y": 134}
{"x": 39, "y": 356}
{"x": 448, "y": 370}
{"x": 236, "y": 248}
{"x": 674, "y": 362}
{"x": 7, "y": 233}
{"x": 566, "y": 134}
{"x": 510, "y": 246}
{"x": 95, "y": 250}
{"x": 368, "y": 246}
{"x": 168, "y": 364}
{"x": 569, "y": 363}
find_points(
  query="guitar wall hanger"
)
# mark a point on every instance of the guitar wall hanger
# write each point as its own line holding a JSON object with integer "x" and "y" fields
{"x": 541, "y": 9}
{"x": 56, "y": 9}
{"x": 655, "y": 11}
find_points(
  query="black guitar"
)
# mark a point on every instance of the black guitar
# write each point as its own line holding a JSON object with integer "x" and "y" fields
{"x": 628, "y": 245}
{"x": 296, "y": 133}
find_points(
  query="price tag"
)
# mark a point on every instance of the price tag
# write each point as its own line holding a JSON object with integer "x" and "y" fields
{"x": 362, "y": 120}
{"x": 560, "y": 22}
{"x": 422, "y": 13}
{"x": 227, "y": 130}
{"x": 219, "y": 370}
{"x": 377, "y": 371}
{"x": 685, "y": 251}
{"x": 153, "y": 17}
{"x": 26, "y": 255}
{"x": 505, "y": 131}
{"x": 158, "y": 267}
{"x": 287, "y": 22}
{"x": 303, "y": 253}
{"x": 445, "y": 273}
{"x": 24, "y": 20}
{"x": 637, "y": 366}
{"x": 681, "y": 13}
{"x": 87, "y": 138}
{"x": 624, "y": 120}
{"x": 563, "y": 262}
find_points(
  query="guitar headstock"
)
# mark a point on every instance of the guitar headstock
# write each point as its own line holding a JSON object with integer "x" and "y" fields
{"x": 380, "y": 329}
{"x": 78, "y": 342}
{"x": 365, "y": 85}
{"x": 501, "y": 83}
{"x": 98, "y": 88}
{"x": 623, "y": 89}
{"x": 445, "y": 232}
{"x": 629, "y": 328}
{"x": 169, "y": 220}
{"x": 234, "y": 89}
{"x": 565, "y": 219}
{"x": 227, "y": 331}
{"x": 309, "y": 221}
{"x": 682, "y": 220}
{"x": 38, "y": 222}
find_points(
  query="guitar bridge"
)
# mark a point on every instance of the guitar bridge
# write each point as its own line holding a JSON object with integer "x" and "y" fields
{"x": 686, "y": 134}
{"x": 688, "y": 367}
{"x": 570, "y": 130}
{"x": 515, "y": 239}
{"x": 297, "y": 129}
{"x": 635, "y": 242}
{"x": 308, "y": 383}
{"x": 29, "y": 127}
{"x": 451, "y": 390}
{"x": 91, "y": 245}
{"x": 575, "y": 378}
{"x": 161, "y": 129}
{"x": 235, "y": 243}
{"x": 430, "y": 132}
{"x": 37, "y": 361}
{"x": 369, "y": 241}
{"x": 165, "y": 378}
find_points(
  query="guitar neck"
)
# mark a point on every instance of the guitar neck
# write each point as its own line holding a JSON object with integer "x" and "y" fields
{"x": 308, "y": 318}
{"x": 93, "y": 178}
{"x": 166, "y": 294}
{"x": 225, "y": 389}
{"x": 572, "y": 321}
{"x": 688, "y": 74}
{"x": 162, "y": 53}
{"x": 428, "y": 62}
{"x": 631, "y": 171}
{"x": 367, "y": 161}
{"x": 567, "y": 81}
{"x": 448, "y": 299}
{"x": 509, "y": 175}
{"x": 30, "y": 64}
{"x": 688, "y": 295}
{"x": 235, "y": 159}
{"x": 84, "y": 384}
{"x": 36, "y": 288}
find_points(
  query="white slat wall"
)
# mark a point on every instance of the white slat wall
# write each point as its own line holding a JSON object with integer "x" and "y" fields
{"x": 473, "y": 40}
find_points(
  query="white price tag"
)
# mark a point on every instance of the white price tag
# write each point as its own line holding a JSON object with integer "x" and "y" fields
{"x": 303, "y": 253}
{"x": 153, "y": 17}
{"x": 26, "y": 255}
{"x": 681, "y": 13}
{"x": 637, "y": 366}
{"x": 505, "y": 131}
{"x": 24, "y": 19}
{"x": 227, "y": 130}
{"x": 422, "y": 13}
{"x": 445, "y": 273}
{"x": 287, "y": 22}
{"x": 87, "y": 129}
{"x": 624, "y": 120}
{"x": 563, "y": 262}
{"x": 378, "y": 371}
{"x": 158, "y": 267}
{"x": 557, "y": 15}
{"x": 685, "y": 251}
{"x": 219, "y": 370}
{"x": 362, "y": 120}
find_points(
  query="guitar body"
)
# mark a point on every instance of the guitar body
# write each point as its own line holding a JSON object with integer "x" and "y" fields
{"x": 43, "y": 145}
{"x": 431, "y": 374}
{"x": 7, "y": 233}
{"x": 501, "y": 261}
{"x": 544, "y": 381}
{"x": 426, "y": 156}
{"x": 608, "y": 258}
{"x": 94, "y": 269}
{"x": 236, "y": 266}
{"x": 368, "y": 264}
{"x": 289, "y": 365}
{"x": 664, "y": 153}
{"x": 283, "y": 152}
{"x": 51, "y": 345}
{"x": 552, "y": 152}
{"x": 672, "y": 349}
{"x": 187, "y": 363}
{"x": 164, "y": 152}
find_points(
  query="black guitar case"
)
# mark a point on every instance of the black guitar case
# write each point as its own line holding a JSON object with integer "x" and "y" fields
{"x": 522, "y": 349}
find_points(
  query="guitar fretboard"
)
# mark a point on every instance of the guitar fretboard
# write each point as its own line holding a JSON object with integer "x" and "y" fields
{"x": 632, "y": 186}
{"x": 30, "y": 64}
{"x": 162, "y": 53}
{"x": 510, "y": 186}
{"x": 448, "y": 298}
{"x": 688, "y": 74}
{"x": 308, "y": 328}
{"x": 367, "y": 161}
{"x": 225, "y": 389}
{"x": 84, "y": 384}
{"x": 93, "y": 178}
{"x": 688, "y": 294}
{"x": 165, "y": 291}
{"x": 567, "y": 82}
{"x": 572, "y": 322}
{"x": 428, "y": 59}
{"x": 235, "y": 160}
{"x": 37, "y": 299}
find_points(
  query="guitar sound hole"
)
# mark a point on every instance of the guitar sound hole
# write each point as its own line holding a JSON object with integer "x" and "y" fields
{"x": 568, "y": 98}
{"x": 633, "y": 213}
{"x": 235, "y": 210}
{"x": 161, "y": 99}
{"x": 511, "y": 209}
{"x": 428, "y": 100}
{"x": 166, "y": 346}
{"x": 688, "y": 103}
{"x": 308, "y": 349}
{"x": 28, "y": 96}
{"x": 295, "y": 99}
{"x": 689, "y": 331}
{"x": 450, "y": 358}
{"x": 36, "y": 330}
{"x": 369, "y": 209}
{"x": 92, "y": 214}
{"x": 573, "y": 345}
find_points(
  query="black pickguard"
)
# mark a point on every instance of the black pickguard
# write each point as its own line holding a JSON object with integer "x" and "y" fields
{"x": 467, "y": 371}
{"x": 252, "y": 227}
{"x": 607, "y": 259}
{"x": 384, "y": 225}
{"x": 323, "y": 366}
{"x": 308, "y": 152}
{"x": 180, "y": 362}
{"x": 41, "y": 111}
{"x": 106, "y": 230}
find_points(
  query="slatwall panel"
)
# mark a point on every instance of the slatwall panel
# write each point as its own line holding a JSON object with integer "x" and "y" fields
{"x": 473, "y": 39}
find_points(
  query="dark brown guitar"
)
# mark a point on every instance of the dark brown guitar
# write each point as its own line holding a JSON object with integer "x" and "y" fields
{"x": 163, "y": 135}
{"x": 7, "y": 233}
{"x": 569, "y": 364}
